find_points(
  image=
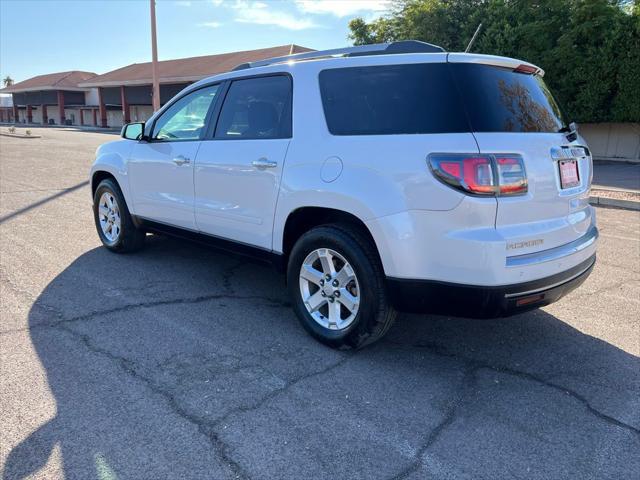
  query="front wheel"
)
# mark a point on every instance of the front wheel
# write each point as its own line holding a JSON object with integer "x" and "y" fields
{"x": 113, "y": 221}
{"x": 337, "y": 286}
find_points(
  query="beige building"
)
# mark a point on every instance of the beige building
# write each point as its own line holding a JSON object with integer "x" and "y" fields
{"x": 120, "y": 96}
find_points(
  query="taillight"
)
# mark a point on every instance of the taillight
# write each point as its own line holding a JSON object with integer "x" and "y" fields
{"x": 512, "y": 179}
{"x": 481, "y": 174}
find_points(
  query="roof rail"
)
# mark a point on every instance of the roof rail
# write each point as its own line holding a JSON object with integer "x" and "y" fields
{"x": 406, "y": 46}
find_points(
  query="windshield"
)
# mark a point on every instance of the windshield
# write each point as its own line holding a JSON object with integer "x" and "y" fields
{"x": 500, "y": 100}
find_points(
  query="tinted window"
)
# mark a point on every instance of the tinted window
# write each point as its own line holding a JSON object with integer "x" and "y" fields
{"x": 256, "y": 108}
{"x": 501, "y": 100}
{"x": 185, "y": 119}
{"x": 391, "y": 99}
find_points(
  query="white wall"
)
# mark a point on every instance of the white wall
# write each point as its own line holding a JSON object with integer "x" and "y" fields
{"x": 612, "y": 140}
{"x": 6, "y": 100}
{"x": 114, "y": 118}
{"x": 72, "y": 114}
{"x": 140, "y": 113}
{"x": 36, "y": 115}
{"x": 52, "y": 112}
{"x": 91, "y": 97}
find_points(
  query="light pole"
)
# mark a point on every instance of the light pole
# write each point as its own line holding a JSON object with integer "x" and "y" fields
{"x": 154, "y": 59}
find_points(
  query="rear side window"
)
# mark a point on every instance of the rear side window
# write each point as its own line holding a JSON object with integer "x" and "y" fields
{"x": 256, "y": 108}
{"x": 391, "y": 99}
{"x": 500, "y": 100}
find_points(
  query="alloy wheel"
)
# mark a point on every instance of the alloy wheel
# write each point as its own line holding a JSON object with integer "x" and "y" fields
{"x": 329, "y": 288}
{"x": 109, "y": 217}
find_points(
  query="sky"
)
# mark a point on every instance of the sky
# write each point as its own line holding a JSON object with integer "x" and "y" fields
{"x": 47, "y": 36}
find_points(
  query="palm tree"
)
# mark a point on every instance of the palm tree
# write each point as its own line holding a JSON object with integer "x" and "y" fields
{"x": 8, "y": 81}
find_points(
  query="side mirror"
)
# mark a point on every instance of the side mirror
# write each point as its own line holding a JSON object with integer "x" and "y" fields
{"x": 133, "y": 131}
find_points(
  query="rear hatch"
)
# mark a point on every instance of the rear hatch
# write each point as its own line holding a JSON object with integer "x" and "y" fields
{"x": 511, "y": 111}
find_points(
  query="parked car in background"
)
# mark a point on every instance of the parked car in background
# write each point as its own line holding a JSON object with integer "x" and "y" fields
{"x": 380, "y": 178}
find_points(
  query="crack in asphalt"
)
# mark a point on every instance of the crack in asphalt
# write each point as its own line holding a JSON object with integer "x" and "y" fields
{"x": 439, "y": 350}
{"x": 277, "y": 391}
{"x": 227, "y": 276}
{"x": 128, "y": 367}
{"x": 450, "y": 414}
{"x": 473, "y": 366}
{"x": 139, "y": 305}
{"x": 205, "y": 427}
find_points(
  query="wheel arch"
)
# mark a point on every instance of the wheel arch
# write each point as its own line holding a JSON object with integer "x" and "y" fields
{"x": 101, "y": 171}
{"x": 303, "y": 219}
{"x": 100, "y": 175}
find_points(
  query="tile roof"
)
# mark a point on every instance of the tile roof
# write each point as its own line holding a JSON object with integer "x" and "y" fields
{"x": 187, "y": 69}
{"x": 51, "y": 81}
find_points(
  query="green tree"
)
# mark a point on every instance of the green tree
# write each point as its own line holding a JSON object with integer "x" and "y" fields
{"x": 590, "y": 49}
{"x": 7, "y": 81}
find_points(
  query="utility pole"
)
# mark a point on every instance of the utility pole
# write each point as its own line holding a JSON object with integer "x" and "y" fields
{"x": 154, "y": 59}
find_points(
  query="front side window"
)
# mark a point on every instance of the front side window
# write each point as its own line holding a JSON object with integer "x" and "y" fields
{"x": 186, "y": 118}
{"x": 256, "y": 108}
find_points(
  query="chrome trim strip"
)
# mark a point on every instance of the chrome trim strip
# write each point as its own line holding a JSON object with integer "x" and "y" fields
{"x": 549, "y": 287}
{"x": 554, "y": 253}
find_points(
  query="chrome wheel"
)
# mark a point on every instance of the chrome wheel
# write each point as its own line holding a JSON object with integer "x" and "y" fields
{"x": 109, "y": 217}
{"x": 329, "y": 289}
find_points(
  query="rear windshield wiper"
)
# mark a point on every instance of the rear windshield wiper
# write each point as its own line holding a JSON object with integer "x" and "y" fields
{"x": 571, "y": 131}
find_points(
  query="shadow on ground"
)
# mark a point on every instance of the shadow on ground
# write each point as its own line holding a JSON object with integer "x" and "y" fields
{"x": 179, "y": 362}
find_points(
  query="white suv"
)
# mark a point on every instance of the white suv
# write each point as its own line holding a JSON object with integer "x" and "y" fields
{"x": 380, "y": 178}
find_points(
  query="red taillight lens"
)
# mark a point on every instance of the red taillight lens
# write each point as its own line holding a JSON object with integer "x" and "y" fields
{"x": 473, "y": 174}
{"x": 481, "y": 174}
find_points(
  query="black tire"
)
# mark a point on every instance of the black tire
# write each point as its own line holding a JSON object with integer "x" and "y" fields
{"x": 130, "y": 238}
{"x": 375, "y": 314}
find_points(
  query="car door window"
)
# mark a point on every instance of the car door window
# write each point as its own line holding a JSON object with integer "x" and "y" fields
{"x": 186, "y": 118}
{"x": 256, "y": 108}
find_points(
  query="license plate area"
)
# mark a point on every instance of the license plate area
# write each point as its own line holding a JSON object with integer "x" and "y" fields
{"x": 569, "y": 176}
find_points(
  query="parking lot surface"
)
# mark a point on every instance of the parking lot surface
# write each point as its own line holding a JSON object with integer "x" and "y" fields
{"x": 182, "y": 362}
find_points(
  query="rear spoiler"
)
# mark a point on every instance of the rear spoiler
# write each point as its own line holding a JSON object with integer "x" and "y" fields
{"x": 506, "y": 62}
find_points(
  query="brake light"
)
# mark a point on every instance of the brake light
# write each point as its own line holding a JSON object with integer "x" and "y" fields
{"x": 488, "y": 175}
{"x": 528, "y": 69}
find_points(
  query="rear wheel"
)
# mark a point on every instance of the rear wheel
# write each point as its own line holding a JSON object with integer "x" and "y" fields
{"x": 337, "y": 286}
{"x": 113, "y": 221}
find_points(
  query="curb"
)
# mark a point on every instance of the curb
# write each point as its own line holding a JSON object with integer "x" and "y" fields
{"x": 615, "y": 203}
{"x": 16, "y": 135}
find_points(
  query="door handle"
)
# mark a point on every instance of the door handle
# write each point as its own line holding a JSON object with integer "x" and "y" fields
{"x": 181, "y": 160}
{"x": 263, "y": 163}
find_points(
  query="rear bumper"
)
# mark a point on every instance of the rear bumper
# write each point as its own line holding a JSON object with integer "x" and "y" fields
{"x": 473, "y": 301}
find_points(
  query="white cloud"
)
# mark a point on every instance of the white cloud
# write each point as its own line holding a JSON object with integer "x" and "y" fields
{"x": 210, "y": 24}
{"x": 216, "y": 3}
{"x": 278, "y": 19}
{"x": 260, "y": 13}
{"x": 342, "y": 8}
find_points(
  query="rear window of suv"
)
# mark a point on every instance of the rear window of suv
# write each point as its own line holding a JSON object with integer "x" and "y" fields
{"x": 500, "y": 100}
{"x": 391, "y": 99}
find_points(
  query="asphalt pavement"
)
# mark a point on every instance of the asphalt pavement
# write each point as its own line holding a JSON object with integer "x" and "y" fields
{"x": 182, "y": 362}
{"x": 616, "y": 175}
